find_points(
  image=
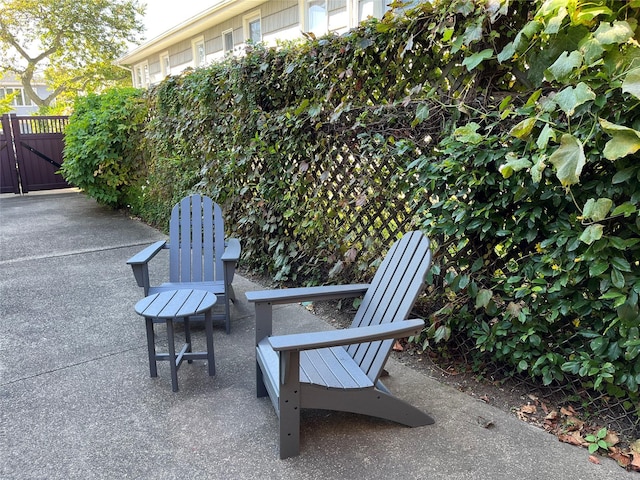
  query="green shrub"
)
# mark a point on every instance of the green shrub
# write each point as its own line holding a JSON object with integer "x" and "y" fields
{"x": 103, "y": 154}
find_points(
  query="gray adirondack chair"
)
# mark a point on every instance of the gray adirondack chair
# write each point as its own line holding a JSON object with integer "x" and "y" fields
{"x": 199, "y": 255}
{"x": 340, "y": 369}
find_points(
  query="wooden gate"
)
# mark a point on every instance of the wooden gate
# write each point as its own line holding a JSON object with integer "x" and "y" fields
{"x": 31, "y": 153}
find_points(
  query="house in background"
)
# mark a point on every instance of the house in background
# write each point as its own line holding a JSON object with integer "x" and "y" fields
{"x": 227, "y": 26}
{"x": 22, "y": 105}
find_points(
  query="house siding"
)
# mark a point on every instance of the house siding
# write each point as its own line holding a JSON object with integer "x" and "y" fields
{"x": 280, "y": 20}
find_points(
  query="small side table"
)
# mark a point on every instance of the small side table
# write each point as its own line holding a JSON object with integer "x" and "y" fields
{"x": 169, "y": 306}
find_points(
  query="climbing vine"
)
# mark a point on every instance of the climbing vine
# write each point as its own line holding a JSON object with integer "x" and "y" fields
{"x": 507, "y": 131}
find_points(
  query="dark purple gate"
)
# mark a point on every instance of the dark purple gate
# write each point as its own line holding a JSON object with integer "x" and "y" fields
{"x": 31, "y": 153}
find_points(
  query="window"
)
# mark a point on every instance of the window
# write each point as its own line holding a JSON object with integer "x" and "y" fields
{"x": 253, "y": 27}
{"x": 20, "y": 99}
{"x": 227, "y": 41}
{"x": 165, "y": 64}
{"x": 316, "y": 16}
{"x": 362, "y": 9}
{"x": 367, "y": 9}
{"x": 199, "y": 54}
{"x": 141, "y": 75}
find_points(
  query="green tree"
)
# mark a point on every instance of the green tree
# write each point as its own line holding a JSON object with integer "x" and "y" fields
{"x": 72, "y": 43}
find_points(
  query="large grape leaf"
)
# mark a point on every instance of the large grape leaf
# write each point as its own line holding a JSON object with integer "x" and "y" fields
{"x": 624, "y": 140}
{"x": 568, "y": 160}
{"x": 570, "y": 98}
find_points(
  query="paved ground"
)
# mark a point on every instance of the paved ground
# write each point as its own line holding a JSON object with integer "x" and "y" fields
{"x": 77, "y": 402}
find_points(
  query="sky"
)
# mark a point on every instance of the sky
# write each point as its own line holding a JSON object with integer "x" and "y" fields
{"x": 162, "y": 15}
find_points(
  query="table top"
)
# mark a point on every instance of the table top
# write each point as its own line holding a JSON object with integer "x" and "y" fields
{"x": 176, "y": 303}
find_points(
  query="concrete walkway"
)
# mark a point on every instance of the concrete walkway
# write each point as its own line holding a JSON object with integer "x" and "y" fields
{"x": 77, "y": 402}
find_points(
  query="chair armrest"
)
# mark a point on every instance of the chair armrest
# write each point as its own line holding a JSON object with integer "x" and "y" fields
{"x": 232, "y": 250}
{"x": 140, "y": 264}
{"x": 348, "y": 336}
{"x": 302, "y": 294}
{"x": 147, "y": 254}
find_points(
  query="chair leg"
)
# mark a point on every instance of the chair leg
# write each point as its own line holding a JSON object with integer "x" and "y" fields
{"x": 289, "y": 424}
{"x": 289, "y": 403}
{"x": 227, "y": 314}
{"x": 151, "y": 348}
{"x": 261, "y": 390}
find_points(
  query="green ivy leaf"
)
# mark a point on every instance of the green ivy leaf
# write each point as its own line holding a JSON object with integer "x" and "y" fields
{"x": 597, "y": 210}
{"x": 564, "y": 65}
{"x": 625, "y": 209}
{"x": 483, "y": 298}
{"x": 568, "y": 160}
{"x": 624, "y": 141}
{"x": 537, "y": 169}
{"x": 472, "y": 61}
{"x": 591, "y": 234}
{"x": 547, "y": 133}
{"x": 468, "y": 133}
{"x": 507, "y": 52}
{"x": 586, "y": 15}
{"x": 631, "y": 83}
{"x": 592, "y": 51}
{"x": 616, "y": 33}
{"x": 570, "y": 98}
{"x": 523, "y": 129}
{"x": 554, "y": 23}
{"x": 514, "y": 164}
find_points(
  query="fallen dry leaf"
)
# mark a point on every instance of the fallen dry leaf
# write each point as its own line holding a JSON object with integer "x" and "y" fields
{"x": 623, "y": 459}
{"x": 568, "y": 411}
{"x": 574, "y": 438}
{"x": 594, "y": 459}
{"x": 397, "y": 347}
{"x": 544, "y": 407}
{"x": 552, "y": 415}
{"x": 485, "y": 398}
{"x": 635, "y": 446}
{"x": 528, "y": 409}
{"x": 573, "y": 423}
{"x": 612, "y": 438}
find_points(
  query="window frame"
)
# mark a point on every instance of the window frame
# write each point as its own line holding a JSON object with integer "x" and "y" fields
{"x": 141, "y": 75}
{"x": 247, "y": 20}
{"x": 20, "y": 100}
{"x": 165, "y": 68}
{"x": 195, "y": 44}
{"x": 226, "y": 50}
{"x": 307, "y": 17}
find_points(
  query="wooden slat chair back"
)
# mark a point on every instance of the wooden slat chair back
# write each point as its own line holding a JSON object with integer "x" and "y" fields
{"x": 195, "y": 239}
{"x": 392, "y": 293}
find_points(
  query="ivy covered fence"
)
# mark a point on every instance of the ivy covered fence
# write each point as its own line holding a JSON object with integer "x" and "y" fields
{"x": 510, "y": 138}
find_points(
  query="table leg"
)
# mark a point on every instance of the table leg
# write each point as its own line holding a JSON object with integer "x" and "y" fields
{"x": 187, "y": 335}
{"x": 151, "y": 348}
{"x": 208, "y": 325}
{"x": 172, "y": 354}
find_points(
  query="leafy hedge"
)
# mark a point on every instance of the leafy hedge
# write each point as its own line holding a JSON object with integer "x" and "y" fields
{"x": 103, "y": 153}
{"x": 511, "y": 139}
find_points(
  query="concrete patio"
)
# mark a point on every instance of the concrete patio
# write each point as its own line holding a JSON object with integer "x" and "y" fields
{"x": 77, "y": 402}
